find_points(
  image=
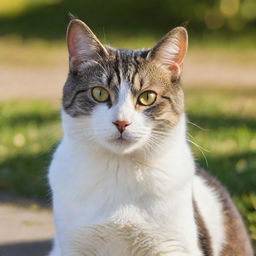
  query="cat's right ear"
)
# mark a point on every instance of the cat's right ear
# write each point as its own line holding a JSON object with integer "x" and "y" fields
{"x": 83, "y": 45}
{"x": 171, "y": 50}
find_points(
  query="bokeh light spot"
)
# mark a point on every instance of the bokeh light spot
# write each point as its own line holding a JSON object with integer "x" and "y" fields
{"x": 229, "y": 7}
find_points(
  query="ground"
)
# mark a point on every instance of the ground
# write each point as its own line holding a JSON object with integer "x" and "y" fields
{"x": 26, "y": 227}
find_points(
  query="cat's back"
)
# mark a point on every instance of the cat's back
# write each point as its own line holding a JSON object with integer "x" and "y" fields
{"x": 220, "y": 226}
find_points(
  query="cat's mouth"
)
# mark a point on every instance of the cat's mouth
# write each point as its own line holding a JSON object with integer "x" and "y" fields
{"x": 121, "y": 139}
{"x": 125, "y": 143}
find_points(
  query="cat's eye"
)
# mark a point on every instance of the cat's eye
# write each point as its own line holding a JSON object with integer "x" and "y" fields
{"x": 147, "y": 98}
{"x": 100, "y": 94}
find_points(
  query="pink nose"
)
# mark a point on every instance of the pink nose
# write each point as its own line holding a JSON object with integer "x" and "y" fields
{"x": 121, "y": 125}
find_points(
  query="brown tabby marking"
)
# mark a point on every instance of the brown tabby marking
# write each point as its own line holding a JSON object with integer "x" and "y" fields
{"x": 203, "y": 233}
{"x": 237, "y": 239}
{"x": 140, "y": 73}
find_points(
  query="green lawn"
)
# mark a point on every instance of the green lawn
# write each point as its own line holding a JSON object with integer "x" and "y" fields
{"x": 31, "y": 129}
{"x": 228, "y": 134}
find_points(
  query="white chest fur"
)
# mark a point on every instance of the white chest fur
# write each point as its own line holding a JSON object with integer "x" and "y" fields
{"x": 123, "y": 200}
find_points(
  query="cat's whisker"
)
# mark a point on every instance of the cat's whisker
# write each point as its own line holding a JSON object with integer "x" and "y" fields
{"x": 196, "y": 125}
{"x": 206, "y": 150}
{"x": 200, "y": 149}
{"x": 161, "y": 132}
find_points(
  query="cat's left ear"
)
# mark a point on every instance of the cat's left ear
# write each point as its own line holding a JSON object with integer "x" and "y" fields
{"x": 171, "y": 50}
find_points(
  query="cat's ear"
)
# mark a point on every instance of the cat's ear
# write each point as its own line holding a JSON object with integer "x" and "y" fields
{"x": 171, "y": 50}
{"x": 83, "y": 45}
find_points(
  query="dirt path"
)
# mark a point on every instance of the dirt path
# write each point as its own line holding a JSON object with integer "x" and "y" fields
{"x": 46, "y": 82}
{"x": 26, "y": 229}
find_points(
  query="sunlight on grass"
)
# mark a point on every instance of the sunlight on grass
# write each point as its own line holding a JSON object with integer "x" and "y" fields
{"x": 228, "y": 132}
{"x": 28, "y": 132}
{"x": 14, "y": 7}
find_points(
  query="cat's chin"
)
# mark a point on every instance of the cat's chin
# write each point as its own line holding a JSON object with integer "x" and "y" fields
{"x": 121, "y": 146}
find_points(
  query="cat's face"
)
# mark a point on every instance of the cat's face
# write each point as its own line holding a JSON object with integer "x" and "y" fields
{"x": 123, "y": 100}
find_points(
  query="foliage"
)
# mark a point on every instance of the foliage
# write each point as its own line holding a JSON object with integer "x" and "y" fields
{"x": 48, "y": 19}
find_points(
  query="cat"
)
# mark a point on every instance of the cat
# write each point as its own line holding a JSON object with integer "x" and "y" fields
{"x": 123, "y": 178}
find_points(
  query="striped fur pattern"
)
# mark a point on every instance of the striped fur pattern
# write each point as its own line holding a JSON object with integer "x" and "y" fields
{"x": 134, "y": 192}
{"x": 140, "y": 74}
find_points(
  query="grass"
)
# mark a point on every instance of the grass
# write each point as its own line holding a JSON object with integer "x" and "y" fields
{"x": 31, "y": 129}
{"x": 228, "y": 136}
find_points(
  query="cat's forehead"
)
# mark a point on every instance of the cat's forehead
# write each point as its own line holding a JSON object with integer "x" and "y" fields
{"x": 127, "y": 55}
{"x": 133, "y": 67}
{"x": 126, "y": 61}
{"x": 125, "y": 65}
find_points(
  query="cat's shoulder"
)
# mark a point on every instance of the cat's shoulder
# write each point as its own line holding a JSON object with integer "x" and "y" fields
{"x": 211, "y": 181}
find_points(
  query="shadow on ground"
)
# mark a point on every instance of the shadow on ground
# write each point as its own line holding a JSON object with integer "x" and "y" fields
{"x": 18, "y": 172}
{"x": 37, "y": 248}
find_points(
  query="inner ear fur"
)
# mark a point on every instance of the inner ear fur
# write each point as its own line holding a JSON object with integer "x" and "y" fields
{"x": 83, "y": 45}
{"x": 170, "y": 51}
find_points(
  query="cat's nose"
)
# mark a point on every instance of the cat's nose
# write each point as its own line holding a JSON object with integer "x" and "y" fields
{"x": 121, "y": 125}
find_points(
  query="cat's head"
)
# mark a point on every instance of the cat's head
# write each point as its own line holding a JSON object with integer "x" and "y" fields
{"x": 122, "y": 100}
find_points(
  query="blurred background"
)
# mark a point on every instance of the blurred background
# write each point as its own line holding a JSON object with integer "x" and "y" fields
{"x": 219, "y": 81}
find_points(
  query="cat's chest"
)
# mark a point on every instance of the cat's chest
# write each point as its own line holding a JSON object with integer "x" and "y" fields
{"x": 92, "y": 190}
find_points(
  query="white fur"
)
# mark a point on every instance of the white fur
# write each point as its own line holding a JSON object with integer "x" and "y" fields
{"x": 211, "y": 210}
{"x": 169, "y": 51}
{"x": 114, "y": 198}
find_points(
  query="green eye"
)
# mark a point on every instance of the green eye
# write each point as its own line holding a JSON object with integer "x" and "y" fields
{"x": 100, "y": 94}
{"x": 147, "y": 98}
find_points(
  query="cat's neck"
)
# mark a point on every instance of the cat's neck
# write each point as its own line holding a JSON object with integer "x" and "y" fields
{"x": 171, "y": 164}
